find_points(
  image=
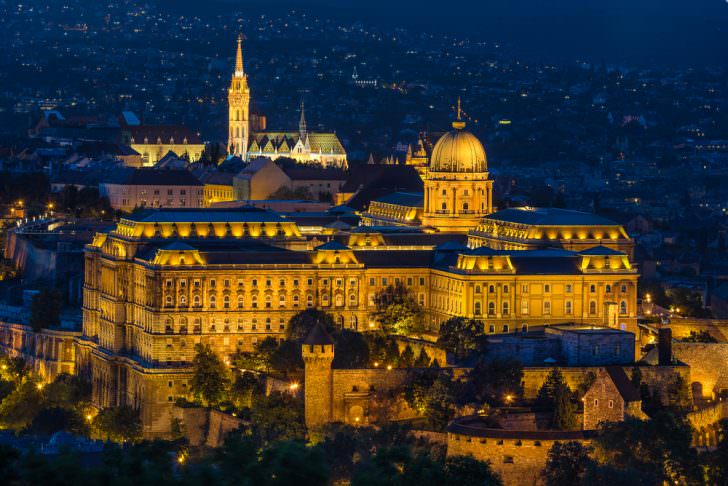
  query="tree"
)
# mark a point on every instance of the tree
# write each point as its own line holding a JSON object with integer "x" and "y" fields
{"x": 659, "y": 447}
{"x": 556, "y": 395}
{"x": 279, "y": 416}
{"x": 119, "y": 424}
{"x": 407, "y": 358}
{"x": 287, "y": 463}
{"x": 423, "y": 359}
{"x": 398, "y": 311}
{"x": 440, "y": 407}
{"x": 717, "y": 460}
{"x": 286, "y": 193}
{"x": 302, "y": 323}
{"x": 19, "y": 408}
{"x": 45, "y": 309}
{"x": 462, "y": 470}
{"x": 567, "y": 462}
{"x": 287, "y": 357}
{"x": 210, "y": 376}
{"x": 352, "y": 350}
{"x": 246, "y": 387}
{"x": 495, "y": 382}
{"x": 462, "y": 337}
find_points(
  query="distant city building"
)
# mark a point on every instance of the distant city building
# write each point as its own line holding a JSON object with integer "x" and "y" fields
{"x": 302, "y": 145}
{"x": 153, "y": 142}
{"x": 153, "y": 188}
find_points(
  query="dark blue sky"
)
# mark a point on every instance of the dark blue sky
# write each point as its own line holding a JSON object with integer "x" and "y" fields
{"x": 643, "y": 32}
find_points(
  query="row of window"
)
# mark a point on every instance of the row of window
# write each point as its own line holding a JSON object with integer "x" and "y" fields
{"x": 268, "y": 283}
{"x": 254, "y": 301}
{"x": 546, "y": 310}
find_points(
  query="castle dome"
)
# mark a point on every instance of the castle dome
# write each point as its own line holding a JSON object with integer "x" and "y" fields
{"x": 458, "y": 151}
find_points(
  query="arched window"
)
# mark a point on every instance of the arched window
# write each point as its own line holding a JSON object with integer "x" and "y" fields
{"x": 183, "y": 301}
{"x": 309, "y": 300}
{"x": 623, "y": 307}
{"x": 608, "y": 289}
{"x": 505, "y": 289}
{"x": 491, "y": 289}
{"x": 592, "y": 288}
{"x": 592, "y": 307}
{"x": 477, "y": 310}
{"x": 478, "y": 289}
{"x": 505, "y": 308}
{"x": 268, "y": 301}
{"x": 240, "y": 301}
{"x": 444, "y": 206}
{"x": 491, "y": 308}
{"x": 465, "y": 206}
{"x": 254, "y": 301}
{"x": 213, "y": 301}
{"x": 196, "y": 301}
{"x": 444, "y": 192}
{"x": 281, "y": 300}
{"x": 624, "y": 289}
{"x": 295, "y": 301}
{"x": 339, "y": 300}
{"x": 352, "y": 299}
{"x": 547, "y": 307}
{"x": 568, "y": 307}
{"x": 226, "y": 302}
{"x": 168, "y": 301}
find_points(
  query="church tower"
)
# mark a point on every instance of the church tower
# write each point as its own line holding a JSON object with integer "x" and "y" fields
{"x": 457, "y": 189}
{"x": 239, "y": 103}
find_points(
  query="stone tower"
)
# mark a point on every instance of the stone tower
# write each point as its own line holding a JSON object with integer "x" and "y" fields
{"x": 238, "y": 111}
{"x": 318, "y": 353}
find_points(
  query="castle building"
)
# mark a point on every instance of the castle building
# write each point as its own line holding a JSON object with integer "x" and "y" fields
{"x": 303, "y": 145}
{"x": 164, "y": 280}
{"x": 238, "y": 107}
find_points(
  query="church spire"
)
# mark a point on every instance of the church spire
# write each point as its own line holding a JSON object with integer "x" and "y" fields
{"x": 239, "y": 57}
{"x": 303, "y": 132}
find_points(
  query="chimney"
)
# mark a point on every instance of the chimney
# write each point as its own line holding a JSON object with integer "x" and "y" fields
{"x": 664, "y": 346}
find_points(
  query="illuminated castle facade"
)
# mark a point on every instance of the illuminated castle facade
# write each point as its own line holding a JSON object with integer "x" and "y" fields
{"x": 302, "y": 145}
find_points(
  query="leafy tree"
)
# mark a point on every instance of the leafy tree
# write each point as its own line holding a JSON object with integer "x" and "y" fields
{"x": 423, "y": 359}
{"x": 432, "y": 394}
{"x": 288, "y": 462}
{"x": 492, "y": 382}
{"x": 13, "y": 369}
{"x": 53, "y": 419}
{"x": 266, "y": 350}
{"x": 19, "y": 408}
{"x": 286, "y": 357}
{"x": 678, "y": 395}
{"x": 567, "y": 462}
{"x": 286, "y": 193}
{"x": 245, "y": 388}
{"x": 464, "y": 470}
{"x": 279, "y": 416}
{"x": 210, "y": 376}
{"x": 462, "y": 337}
{"x": 407, "y": 358}
{"x": 398, "y": 311}
{"x": 352, "y": 350}
{"x": 717, "y": 460}
{"x": 67, "y": 391}
{"x": 302, "y": 323}
{"x": 556, "y": 395}
{"x": 119, "y": 424}
{"x": 383, "y": 349}
{"x": 659, "y": 447}
{"x": 45, "y": 310}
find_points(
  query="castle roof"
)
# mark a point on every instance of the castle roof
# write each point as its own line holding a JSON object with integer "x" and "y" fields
{"x": 550, "y": 217}
{"x": 318, "y": 336}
